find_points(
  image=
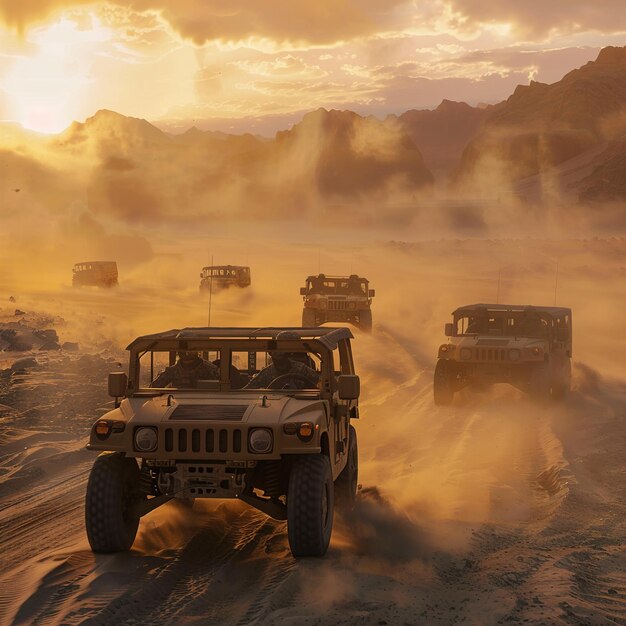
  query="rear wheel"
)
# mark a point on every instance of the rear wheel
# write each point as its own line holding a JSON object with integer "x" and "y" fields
{"x": 346, "y": 483}
{"x": 365, "y": 320}
{"x": 443, "y": 383}
{"x": 310, "y": 505}
{"x": 112, "y": 491}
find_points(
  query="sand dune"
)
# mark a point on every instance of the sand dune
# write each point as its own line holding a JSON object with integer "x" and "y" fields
{"x": 490, "y": 511}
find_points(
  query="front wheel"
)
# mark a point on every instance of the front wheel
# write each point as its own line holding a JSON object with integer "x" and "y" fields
{"x": 365, "y": 320}
{"x": 112, "y": 491}
{"x": 310, "y": 505}
{"x": 308, "y": 318}
{"x": 563, "y": 381}
{"x": 540, "y": 384}
{"x": 443, "y": 383}
{"x": 347, "y": 481}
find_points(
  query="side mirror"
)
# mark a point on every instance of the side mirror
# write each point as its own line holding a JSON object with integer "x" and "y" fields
{"x": 118, "y": 382}
{"x": 303, "y": 291}
{"x": 200, "y": 275}
{"x": 449, "y": 329}
{"x": 371, "y": 293}
{"x": 349, "y": 387}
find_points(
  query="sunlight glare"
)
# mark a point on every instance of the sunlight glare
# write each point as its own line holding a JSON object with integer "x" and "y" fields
{"x": 45, "y": 90}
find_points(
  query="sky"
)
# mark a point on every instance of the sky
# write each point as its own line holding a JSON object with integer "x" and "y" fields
{"x": 258, "y": 66}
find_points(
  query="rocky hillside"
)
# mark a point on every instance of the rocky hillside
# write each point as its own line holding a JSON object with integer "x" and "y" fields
{"x": 130, "y": 169}
{"x": 443, "y": 133}
{"x": 541, "y": 125}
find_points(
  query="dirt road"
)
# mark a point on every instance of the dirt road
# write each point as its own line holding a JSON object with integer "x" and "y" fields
{"x": 490, "y": 511}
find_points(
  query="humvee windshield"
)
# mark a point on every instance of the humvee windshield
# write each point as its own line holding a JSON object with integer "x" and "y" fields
{"x": 224, "y": 272}
{"x": 525, "y": 323}
{"x": 247, "y": 369}
{"x": 347, "y": 286}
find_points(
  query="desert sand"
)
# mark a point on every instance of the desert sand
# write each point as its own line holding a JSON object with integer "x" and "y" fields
{"x": 491, "y": 511}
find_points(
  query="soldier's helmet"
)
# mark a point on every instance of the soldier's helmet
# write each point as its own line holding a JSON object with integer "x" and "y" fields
{"x": 285, "y": 335}
{"x": 187, "y": 356}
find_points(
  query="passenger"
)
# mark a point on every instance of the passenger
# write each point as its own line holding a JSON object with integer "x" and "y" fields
{"x": 532, "y": 325}
{"x": 477, "y": 324}
{"x": 186, "y": 373}
{"x": 284, "y": 364}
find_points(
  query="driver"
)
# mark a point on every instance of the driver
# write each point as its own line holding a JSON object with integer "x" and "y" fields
{"x": 283, "y": 364}
{"x": 186, "y": 373}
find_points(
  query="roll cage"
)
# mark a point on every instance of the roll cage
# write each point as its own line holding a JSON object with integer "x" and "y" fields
{"x": 331, "y": 346}
{"x": 337, "y": 285}
{"x": 553, "y": 323}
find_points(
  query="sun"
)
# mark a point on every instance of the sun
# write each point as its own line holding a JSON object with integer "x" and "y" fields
{"x": 45, "y": 89}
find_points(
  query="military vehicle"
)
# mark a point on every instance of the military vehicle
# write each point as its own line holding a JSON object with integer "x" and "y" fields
{"x": 222, "y": 276}
{"x": 529, "y": 347}
{"x": 95, "y": 274}
{"x": 288, "y": 449}
{"x": 337, "y": 299}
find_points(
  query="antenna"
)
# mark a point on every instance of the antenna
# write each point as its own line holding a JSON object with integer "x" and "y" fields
{"x": 556, "y": 281}
{"x": 210, "y": 290}
{"x": 319, "y": 261}
{"x": 499, "y": 278}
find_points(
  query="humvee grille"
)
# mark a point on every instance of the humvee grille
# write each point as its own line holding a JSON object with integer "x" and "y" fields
{"x": 234, "y": 412}
{"x": 205, "y": 440}
{"x": 337, "y": 305}
{"x": 490, "y": 354}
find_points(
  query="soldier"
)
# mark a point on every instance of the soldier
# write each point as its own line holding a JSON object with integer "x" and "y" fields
{"x": 477, "y": 323}
{"x": 189, "y": 369}
{"x": 284, "y": 363}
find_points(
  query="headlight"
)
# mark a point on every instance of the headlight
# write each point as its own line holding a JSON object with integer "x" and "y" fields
{"x": 352, "y": 305}
{"x": 145, "y": 439}
{"x": 514, "y": 354}
{"x": 323, "y": 304}
{"x": 260, "y": 440}
{"x": 465, "y": 354}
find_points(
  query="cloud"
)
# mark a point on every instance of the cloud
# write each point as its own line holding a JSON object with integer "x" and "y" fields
{"x": 322, "y": 22}
{"x": 537, "y": 18}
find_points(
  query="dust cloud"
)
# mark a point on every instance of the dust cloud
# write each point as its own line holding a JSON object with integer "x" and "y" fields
{"x": 464, "y": 511}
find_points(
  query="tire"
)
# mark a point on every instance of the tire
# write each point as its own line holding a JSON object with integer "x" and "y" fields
{"x": 309, "y": 522}
{"x": 113, "y": 487}
{"x": 347, "y": 481}
{"x": 443, "y": 383}
{"x": 308, "y": 318}
{"x": 365, "y": 320}
{"x": 540, "y": 384}
{"x": 562, "y": 383}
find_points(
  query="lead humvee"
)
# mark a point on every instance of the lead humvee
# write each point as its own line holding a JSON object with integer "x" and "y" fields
{"x": 287, "y": 449}
{"x": 529, "y": 347}
{"x": 222, "y": 276}
{"x": 95, "y": 274}
{"x": 337, "y": 299}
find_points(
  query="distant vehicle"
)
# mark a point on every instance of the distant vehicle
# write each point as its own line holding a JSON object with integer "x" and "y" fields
{"x": 277, "y": 437}
{"x": 221, "y": 276}
{"x": 529, "y": 347}
{"x": 337, "y": 299}
{"x": 95, "y": 274}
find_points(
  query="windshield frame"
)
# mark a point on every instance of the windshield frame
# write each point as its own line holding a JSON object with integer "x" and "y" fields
{"x": 225, "y": 348}
{"x": 506, "y": 315}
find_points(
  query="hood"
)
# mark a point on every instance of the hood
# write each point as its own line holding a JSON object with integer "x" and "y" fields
{"x": 261, "y": 408}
